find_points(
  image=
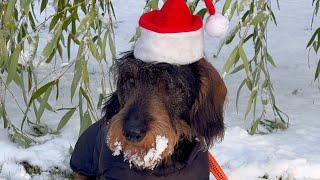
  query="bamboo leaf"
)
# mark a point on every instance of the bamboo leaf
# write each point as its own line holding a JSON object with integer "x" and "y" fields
{"x": 238, "y": 93}
{"x": 43, "y": 5}
{"x": 230, "y": 62}
{"x": 54, "y": 21}
{"x": 3, "y": 50}
{"x": 94, "y": 51}
{"x": 317, "y": 71}
{"x": 49, "y": 48}
{"x": 254, "y": 127}
{"x": 64, "y": 120}
{"x": 253, "y": 96}
{"x": 85, "y": 95}
{"x": 77, "y": 76}
{"x": 85, "y": 73}
{"x": 202, "y": 12}
{"x": 25, "y": 5}
{"x": 154, "y": 4}
{"x": 10, "y": 14}
{"x": 112, "y": 47}
{"x": 317, "y": 32}
{"x": 244, "y": 58}
{"x": 270, "y": 59}
{"x": 41, "y": 91}
{"x": 260, "y": 17}
{"x": 12, "y": 70}
{"x": 226, "y": 6}
{"x": 43, "y": 104}
{"x": 86, "y": 122}
{"x": 243, "y": 5}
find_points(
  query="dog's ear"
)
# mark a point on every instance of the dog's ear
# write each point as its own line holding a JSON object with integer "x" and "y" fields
{"x": 111, "y": 107}
{"x": 207, "y": 111}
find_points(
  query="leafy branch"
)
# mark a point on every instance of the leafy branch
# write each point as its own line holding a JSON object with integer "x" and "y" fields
{"x": 85, "y": 25}
{"x": 314, "y": 42}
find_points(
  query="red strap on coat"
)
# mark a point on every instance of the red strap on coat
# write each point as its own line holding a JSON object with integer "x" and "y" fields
{"x": 216, "y": 169}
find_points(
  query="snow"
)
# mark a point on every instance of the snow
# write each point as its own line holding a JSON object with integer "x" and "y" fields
{"x": 150, "y": 159}
{"x": 290, "y": 154}
{"x": 154, "y": 154}
{"x": 117, "y": 148}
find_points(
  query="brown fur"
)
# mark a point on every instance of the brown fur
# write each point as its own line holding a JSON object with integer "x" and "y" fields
{"x": 159, "y": 126}
{"x": 210, "y": 102}
{"x": 78, "y": 176}
{"x": 182, "y": 103}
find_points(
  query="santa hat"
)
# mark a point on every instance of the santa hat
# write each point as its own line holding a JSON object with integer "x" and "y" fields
{"x": 173, "y": 35}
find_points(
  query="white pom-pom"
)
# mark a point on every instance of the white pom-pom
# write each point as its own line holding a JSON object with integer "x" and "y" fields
{"x": 217, "y": 25}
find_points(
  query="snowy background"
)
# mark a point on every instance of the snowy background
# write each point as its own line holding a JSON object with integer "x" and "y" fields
{"x": 290, "y": 154}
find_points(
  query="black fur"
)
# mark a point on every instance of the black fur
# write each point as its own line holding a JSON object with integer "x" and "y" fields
{"x": 182, "y": 84}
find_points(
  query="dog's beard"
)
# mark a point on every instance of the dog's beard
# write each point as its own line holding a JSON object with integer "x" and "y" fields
{"x": 155, "y": 147}
{"x": 144, "y": 160}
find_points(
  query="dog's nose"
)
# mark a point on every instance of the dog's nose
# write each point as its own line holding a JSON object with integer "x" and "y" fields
{"x": 135, "y": 135}
{"x": 134, "y": 128}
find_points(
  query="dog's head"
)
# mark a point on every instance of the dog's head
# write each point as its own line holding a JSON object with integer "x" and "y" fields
{"x": 156, "y": 106}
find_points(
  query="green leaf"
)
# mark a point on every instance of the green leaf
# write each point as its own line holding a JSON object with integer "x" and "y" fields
{"x": 43, "y": 104}
{"x": 25, "y": 5}
{"x": 253, "y": 96}
{"x": 238, "y": 93}
{"x": 86, "y": 21}
{"x": 85, "y": 123}
{"x": 254, "y": 127}
{"x": 12, "y": 70}
{"x": 54, "y": 21}
{"x": 85, "y": 95}
{"x": 112, "y": 47}
{"x": 10, "y": 14}
{"x": 244, "y": 58}
{"x": 233, "y": 9}
{"x": 3, "y": 50}
{"x": 260, "y": 17}
{"x": 69, "y": 47}
{"x": 41, "y": 91}
{"x": 71, "y": 149}
{"x": 233, "y": 33}
{"x": 43, "y": 5}
{"x": 193, "y": 5}
{"x": 49, "y": 48}
{"x": 317, "y": 32}
{"x": 64, "y": 120}
{"x": 77, "y": 76}
{"x": 94, "y": 51}
{"x": 317, "y": 71}
{"x": 242, "y": 5}
{"x": 226, "y": 6}
{"x": 202, "y": 12}
{"x": 237, "y": 69}
{"x": 154, "y": 4}
{"x": 85, "y": 73}
{"x": 270, "y": 59}
{"x": 231, "y": 60}
{"x": 100, "y": 101}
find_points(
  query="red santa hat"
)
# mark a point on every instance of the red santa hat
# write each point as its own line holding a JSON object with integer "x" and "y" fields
{"x": 174, "y": 35}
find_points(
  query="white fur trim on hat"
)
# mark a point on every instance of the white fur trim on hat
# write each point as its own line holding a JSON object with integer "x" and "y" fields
{"x": 173, "y": 48}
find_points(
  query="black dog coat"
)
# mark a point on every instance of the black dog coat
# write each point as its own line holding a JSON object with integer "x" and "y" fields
{"x": 92, "y": 158}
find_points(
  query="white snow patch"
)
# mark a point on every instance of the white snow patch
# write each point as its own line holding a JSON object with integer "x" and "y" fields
{"x": 117, "y": 149}
{"x": 291, "y": 153}
{"x": 150, "y": 159}
{"x": 12, "y": 170}
{"x": 64, "y": 64}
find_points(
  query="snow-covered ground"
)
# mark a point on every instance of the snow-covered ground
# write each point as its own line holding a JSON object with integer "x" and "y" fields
{"x": 291, "y": 154}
